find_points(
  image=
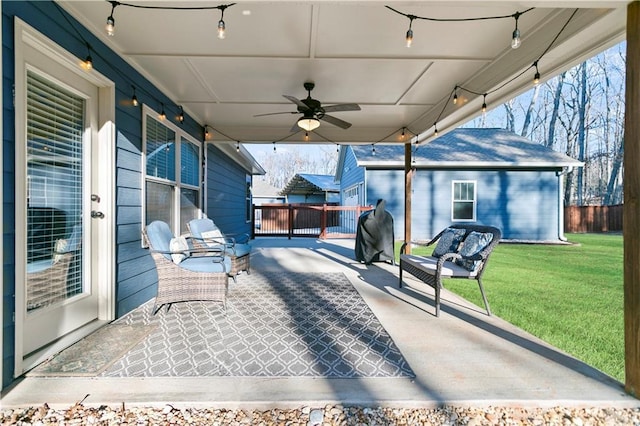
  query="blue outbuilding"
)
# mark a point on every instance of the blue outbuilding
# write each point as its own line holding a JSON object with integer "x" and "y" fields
{"x": 484, "y": 176}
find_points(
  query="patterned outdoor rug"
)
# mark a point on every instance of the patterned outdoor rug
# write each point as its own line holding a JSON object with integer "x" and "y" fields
{"x": 95, "y": 353}
{"x": 276, "y": 324}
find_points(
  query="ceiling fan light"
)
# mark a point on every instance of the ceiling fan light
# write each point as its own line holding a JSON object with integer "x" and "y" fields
{"x": 308, "y": 124}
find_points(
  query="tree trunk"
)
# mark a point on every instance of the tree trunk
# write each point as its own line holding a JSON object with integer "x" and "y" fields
{"x": 527, "y": 118}
{"x": 582, "y": 133}
{"x": 554, "y": 112}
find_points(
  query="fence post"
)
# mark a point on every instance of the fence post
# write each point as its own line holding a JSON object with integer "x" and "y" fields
{"x": 290, "y": 220}
{"x": 323, "y": 222}
{"x": 253, "y": 222}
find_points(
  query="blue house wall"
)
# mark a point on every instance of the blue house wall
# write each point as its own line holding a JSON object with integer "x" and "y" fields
{"x": 351, "y": 174}
{"x": 226, "y": 193}
{"x": 522, "y": 203}
{"x": 135, "y": 275}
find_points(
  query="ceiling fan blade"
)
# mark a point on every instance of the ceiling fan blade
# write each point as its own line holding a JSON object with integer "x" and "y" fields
{"x": 297, "y": 102}
{"x": 274, "y": 113}
{"x": 341, "y": 107}
{"x": 335, "y": 121}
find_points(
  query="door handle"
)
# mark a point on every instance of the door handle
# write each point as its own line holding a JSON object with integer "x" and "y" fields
{"x": 95, "y": 197}
{"x": 97, "y": 215}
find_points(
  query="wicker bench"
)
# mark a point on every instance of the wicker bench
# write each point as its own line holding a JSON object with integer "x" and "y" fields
{"x": 462, "y": 252}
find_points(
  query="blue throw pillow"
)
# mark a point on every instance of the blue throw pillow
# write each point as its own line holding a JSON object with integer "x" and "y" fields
{"x": 448, "y": 242}
{"x": 474, "y": 243}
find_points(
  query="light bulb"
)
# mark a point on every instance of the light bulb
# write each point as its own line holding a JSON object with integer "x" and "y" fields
{"x": 455, "y": 98}
{"x": 88, "y": 62}
{"x": 134, "y": 100}
{"x": 306, "y": 136}
{"x": 111, "y": 26}
{"x": 409, "y": 37}
{"x": 536, "y": 79}
{"x": 221, "y": 29}
{"x": 515, "y": 39}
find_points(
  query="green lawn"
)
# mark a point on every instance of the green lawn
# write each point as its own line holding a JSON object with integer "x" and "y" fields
{"x": 570, "y": 296}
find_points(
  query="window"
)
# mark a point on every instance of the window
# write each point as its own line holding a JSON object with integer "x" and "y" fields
{"x": 172, "y": 182}
{"x": 463, "y": 201}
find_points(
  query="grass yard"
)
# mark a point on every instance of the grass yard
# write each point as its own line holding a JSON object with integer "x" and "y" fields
{"x": 569, "y": 296}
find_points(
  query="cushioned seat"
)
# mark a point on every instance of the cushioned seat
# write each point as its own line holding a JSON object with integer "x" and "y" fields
{"x": 205, "y": 233}
{"x": 182, "y": 276}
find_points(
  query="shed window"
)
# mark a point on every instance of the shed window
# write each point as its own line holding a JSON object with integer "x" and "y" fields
{"x": 172, "y": 182}
{"x": 463, "y": 201}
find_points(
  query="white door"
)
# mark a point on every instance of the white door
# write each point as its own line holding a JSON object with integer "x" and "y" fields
{"x": 58, "y": 203}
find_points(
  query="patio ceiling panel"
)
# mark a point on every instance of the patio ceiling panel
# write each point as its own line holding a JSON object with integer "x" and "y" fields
{"x": 355, "y": 52}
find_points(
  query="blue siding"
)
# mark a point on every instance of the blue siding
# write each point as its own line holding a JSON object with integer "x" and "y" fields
{"x": 226, "y": 193}
{"x": 136, "y": 278}
{"x": 351, "y": 173}
{"x": 524, "y": 204}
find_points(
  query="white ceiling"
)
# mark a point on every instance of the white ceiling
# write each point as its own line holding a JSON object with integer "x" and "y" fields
{"x": 354, "y": 52}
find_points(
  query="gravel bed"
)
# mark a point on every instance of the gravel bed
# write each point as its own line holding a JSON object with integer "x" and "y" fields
{"x": 325, "y": 416}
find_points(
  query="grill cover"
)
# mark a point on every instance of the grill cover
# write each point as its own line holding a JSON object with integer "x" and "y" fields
{"x": 374, "y": 236}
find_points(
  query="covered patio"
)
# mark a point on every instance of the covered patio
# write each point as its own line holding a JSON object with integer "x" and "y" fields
{"x": 462, "y": 358}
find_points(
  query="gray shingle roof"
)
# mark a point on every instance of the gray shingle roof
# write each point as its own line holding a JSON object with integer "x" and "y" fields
{"x": 304, "y": 183}
{"x": 468, "y": 148}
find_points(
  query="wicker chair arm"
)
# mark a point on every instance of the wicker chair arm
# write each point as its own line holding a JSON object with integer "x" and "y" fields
{"x": 418, "y": 243}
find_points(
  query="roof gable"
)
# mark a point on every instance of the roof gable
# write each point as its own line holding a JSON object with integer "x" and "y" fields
{"x": 304, "y": 183}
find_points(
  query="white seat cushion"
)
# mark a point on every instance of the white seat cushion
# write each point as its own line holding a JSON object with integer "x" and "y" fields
{"x": 429, "y": 264}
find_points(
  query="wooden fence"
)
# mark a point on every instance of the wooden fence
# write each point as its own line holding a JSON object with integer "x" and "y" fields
{"x": 593, "y": 218}
{"x": 306, "y": 220}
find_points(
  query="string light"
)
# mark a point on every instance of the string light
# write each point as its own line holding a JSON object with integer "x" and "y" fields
{"x": 206, "y": 132}
{"x": 110, "y": 27}
{"x": 237, "y": 146}
{"x": 337, "y": 147}
{"x": 274, "y": 147}
{"x": 134, "y": 98}
{"x": 515, "y": 40}
{"x": 536, "y": 78}
{"x": 221, "y": 25}
{"x": 162, "y": 115}
{"x": 306, "y": 136}
{"x": 373, "y": 149}
{"x": 435, "y": 129}
{"x": 181, "y": 114}
{"x": 111, "y": 23}
{"x": 515, "y": 37}
{"x": 402, "y": 135}
{"x": 409, "y": 37}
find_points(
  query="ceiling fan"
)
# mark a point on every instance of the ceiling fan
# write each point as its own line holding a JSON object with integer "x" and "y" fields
{"x": 313, "y": 111}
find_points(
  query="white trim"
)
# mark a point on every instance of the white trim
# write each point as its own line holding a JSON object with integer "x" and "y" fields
{"x": 475, "y": 200}
{"x": 103, "y": 259}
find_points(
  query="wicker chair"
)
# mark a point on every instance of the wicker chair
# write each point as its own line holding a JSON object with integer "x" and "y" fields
{"x": 47, "y": 278}
{"x": 193, "y": 278}
{"x": 453, "y": 262}
{"x": 205, "y": 233}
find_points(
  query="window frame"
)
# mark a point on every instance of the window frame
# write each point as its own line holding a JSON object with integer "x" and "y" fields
{"x": 177, "y": 185}
{"x": 474, "y": 201}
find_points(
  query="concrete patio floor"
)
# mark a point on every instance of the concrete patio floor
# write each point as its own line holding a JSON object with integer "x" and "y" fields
{"x": 462, "y": 358}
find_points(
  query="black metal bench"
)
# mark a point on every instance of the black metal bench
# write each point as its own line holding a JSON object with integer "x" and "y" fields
{"x": 458, "y": 262}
